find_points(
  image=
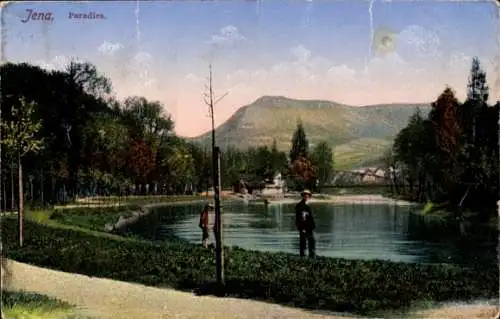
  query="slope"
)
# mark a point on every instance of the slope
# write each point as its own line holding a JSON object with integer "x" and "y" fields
{"x": 270, "y": 117}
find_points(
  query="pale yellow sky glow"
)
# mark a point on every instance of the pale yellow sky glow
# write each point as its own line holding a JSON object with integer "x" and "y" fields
{"x": 387, "y": 79}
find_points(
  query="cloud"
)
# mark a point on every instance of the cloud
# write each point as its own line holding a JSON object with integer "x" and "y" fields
{"x": 109, "y": 48}
{"x": 385, "y": 78}
{"x": 142, "y": 66}
{"x": 418, "y": 42}
{"x": 226, "y": 36}
{"x": 194, "y": 78}
{"x": 301, "y": 53}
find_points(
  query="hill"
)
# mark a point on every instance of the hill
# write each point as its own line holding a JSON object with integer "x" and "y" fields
{"x": 358, "y": 134}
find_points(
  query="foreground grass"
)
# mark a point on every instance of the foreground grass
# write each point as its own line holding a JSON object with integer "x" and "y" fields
{"x": 325, "y": 283}
{"x": 28, "y": 305}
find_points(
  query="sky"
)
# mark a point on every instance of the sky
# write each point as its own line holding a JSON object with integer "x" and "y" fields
{"x": 353, "y": 52}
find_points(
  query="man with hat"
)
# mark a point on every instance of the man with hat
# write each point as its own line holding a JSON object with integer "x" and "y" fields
{"x": 305, "y": 224}
{"x": 204, "y": 225}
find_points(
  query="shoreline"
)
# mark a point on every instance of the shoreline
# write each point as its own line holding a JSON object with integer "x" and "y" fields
{"x": 146, "y": 208}
{"x": 333, "y": 199}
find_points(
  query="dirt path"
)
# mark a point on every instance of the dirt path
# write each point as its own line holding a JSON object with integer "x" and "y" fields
{"x": 104, "y": 298}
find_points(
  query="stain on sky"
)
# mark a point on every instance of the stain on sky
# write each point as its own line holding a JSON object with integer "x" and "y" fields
{"x": 384, "y": 41}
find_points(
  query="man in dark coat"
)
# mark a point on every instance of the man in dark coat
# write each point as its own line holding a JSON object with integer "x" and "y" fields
{"x": 305, "y": 224}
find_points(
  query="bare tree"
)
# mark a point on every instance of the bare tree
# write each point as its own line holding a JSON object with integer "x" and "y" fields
{"x": 211, "y": 101}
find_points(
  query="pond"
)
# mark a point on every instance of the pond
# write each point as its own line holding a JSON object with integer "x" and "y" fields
{"x": 353, "y": 231}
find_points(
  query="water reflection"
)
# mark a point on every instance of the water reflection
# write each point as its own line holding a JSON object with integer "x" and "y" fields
{"x": 358, "y": 231}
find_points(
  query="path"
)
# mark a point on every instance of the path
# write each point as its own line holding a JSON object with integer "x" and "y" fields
{"x": 104, "y": 298}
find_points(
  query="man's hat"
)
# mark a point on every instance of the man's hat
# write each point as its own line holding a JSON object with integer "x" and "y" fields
{"x": 306, "y": 192}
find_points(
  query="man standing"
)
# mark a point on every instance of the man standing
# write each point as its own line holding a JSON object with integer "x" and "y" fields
{"x": 305, "y": 224}
{"x": 204, "y": 225}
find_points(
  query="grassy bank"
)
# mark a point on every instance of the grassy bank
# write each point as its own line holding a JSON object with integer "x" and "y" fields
{"x": 27, "y": 305}
{"x": 96, "y": 218}
{"x": 92, "y": 218}
{"x": 139, "y": 200}
{"x": 324, "y": 283}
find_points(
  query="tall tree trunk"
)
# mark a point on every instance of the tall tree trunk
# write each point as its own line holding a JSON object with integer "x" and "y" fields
{"x": 4, "y": 185}
{"x": 12, "y": 197}
{"x": 20, "y": 214}
{"x": 54, "y": 197}
{"x": 31, "y": 189}
{"x": 42, "y": 185}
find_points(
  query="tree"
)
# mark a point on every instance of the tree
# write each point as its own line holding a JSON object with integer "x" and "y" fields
{"x": 415, "y": 148}
{"x": 182, "y": 166}
{"x": 304, "y": 172}
{"x": 86, "y": 77}
{"x": 300, "y": 144}
{"x": 278, "y": 159}
{"x": 142, "y": 160}
{"x": 322, "y": 159}
{"x": 148, "y": 118}
{"x": 19, "y": 136}
{"x": 480, "y": 156}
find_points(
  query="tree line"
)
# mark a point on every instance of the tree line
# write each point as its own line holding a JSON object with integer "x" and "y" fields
{"x": 450, "y": 157}
{"x": 64, "y": 134}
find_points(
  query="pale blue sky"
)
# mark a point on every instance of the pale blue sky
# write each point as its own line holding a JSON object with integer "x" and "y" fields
{"x": 302, "y": 49}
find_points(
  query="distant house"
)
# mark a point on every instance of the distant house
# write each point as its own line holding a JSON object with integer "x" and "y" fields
{"x": 369, "y": 175}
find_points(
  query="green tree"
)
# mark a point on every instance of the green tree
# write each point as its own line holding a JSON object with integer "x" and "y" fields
{"x": 182, "y": 167}
{"x": 322, "y": 159}
{"x": 87, "y": 78}
{"x": 415, "y": 148}
{"x": 19, "y": 136}
{"x": 300, "y": 144}
{"x": 148, "y": 118}
{"x": 480, "y": 139}
{"x": 278, "y": 159}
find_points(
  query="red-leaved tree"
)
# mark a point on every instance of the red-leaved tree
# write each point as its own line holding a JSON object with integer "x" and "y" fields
{"x": 304, "y": 171}
{"x": 142, "y": 160}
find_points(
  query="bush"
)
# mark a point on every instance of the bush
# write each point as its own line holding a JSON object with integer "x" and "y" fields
{"x": 323, "y": 283}
{"x": 20, "y": 304}
{"x": 11, "y": 299}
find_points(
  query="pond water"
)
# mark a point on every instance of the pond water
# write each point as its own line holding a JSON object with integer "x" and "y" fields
{"x": 354, "y": 231}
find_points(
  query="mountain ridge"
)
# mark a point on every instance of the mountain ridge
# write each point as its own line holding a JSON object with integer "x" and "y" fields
{"x": 276, "y": 117}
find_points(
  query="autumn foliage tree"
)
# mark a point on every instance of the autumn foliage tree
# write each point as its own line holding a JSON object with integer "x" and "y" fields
{"x": 446, "y": 121}
{"x": 453, "y": 154}
{"x": 304, "y": 172}
{"x": 142, "y": 160}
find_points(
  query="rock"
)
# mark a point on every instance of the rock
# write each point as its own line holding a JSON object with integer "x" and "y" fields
{"x": 109, "y": 227}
